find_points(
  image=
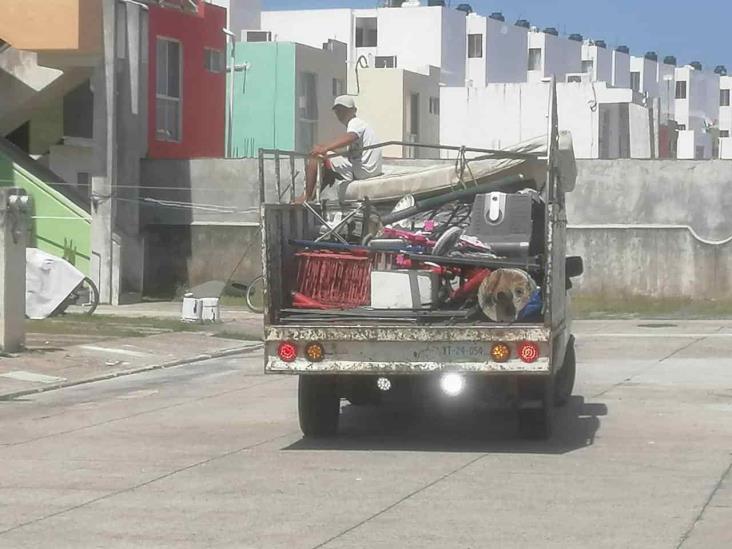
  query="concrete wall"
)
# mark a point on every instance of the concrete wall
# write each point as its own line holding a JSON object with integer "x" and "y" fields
{"x": 311, "y": 27}
{"x": 654, "y": 228}
{"x": 621, "y": 69}
{"x": 505, "y": 51}
{"x": 648, "y": 70}
{"x": 559, "y": 56}
{"x": 602, "y": 62}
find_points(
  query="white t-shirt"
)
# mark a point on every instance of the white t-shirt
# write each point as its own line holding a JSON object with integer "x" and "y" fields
{"x": 365, "y": 163}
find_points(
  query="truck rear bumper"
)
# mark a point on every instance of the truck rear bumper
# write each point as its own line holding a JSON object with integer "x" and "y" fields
{"x": 407, "y": 350}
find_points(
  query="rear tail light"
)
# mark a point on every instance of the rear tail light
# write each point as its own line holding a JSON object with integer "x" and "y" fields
{"x": 287, "y": 351}
{"x": 528, "y": 351}
{"x": 500, "y": 352}
{"x": 314, "y": 351}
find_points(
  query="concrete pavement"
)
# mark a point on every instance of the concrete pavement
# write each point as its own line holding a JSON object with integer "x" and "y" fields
{"x": 210, "y": 455}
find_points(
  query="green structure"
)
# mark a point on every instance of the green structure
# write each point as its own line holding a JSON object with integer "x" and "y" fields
{"x": 61, "y": 225}
{"x": 282, "y": 95}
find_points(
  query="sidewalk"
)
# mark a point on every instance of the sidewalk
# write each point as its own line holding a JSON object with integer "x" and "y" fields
{"x": 66, "y": 351}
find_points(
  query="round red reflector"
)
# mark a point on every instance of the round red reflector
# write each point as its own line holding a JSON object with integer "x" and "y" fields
{"x": 528, "y": 351}
{"x": 287, "y": 351}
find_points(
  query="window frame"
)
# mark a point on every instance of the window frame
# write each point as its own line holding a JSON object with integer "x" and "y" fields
{"x": 723, "y": 132}
{"x": 681, "y": 85}
{"x": 472, "y": 53}
{"x": 160, "y": 96}
{"x": 364, "y": 34}
{"x": 208, "y": 56}
{"x": 537, "y": 66}
{"x": 635, "y": 81}
{"x": 724, "y": 97}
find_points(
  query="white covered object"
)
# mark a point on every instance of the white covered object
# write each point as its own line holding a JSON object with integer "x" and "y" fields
{"x": 210, "y": 310}
{"x": 403, "y": 289}
{"x": 48, "y": 282}
{"x": 191, "y": 311}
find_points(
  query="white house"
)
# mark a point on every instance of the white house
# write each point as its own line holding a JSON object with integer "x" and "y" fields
{"x": 437, "y": 36}
{"x": 697, "y": 110}
{"x": 621, "y": 67}
{"x": 605, "y": 122}
{"x": 725, "y": 117}
{"x": 644, "y": 74}
{"x": 549, "y": 54}
{"x": 597, "y": 61}
{"x": 497, "y": 51}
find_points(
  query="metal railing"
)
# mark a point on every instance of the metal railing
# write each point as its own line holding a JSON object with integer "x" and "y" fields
{"x": 278, "y": 154}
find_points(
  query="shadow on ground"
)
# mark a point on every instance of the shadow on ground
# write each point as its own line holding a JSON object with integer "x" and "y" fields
{"x": 400, "y": 429}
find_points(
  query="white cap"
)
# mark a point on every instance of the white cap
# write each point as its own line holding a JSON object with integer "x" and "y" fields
{"x": 346, "y": 101}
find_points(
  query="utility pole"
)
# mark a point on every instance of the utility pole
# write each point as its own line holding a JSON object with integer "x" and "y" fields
{"x": 14, "y": 206}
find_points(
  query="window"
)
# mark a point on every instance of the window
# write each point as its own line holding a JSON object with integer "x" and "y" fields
{"x": 635, "y": 83}
{"x": 414, "y": 114}
{"x": 681, "y": 127}
{"x": 723, "y": 133}
{"x": 307, "y": 110}
{"x": 681, "y": 89}
{"x": 475, "y": 45}
{"x": 339, "y": 87}
{"x": 588, "y": 67}
{"x": 259, "y": 36}
{"x": 385, "y": 62}
{"x": 366, "y": 32}
{"x": 213, "y": 60}
{"x": 168, "y": 90}
{"x": 434, "y": 105}
{"x": 724, "y": 98}
{"x": 535, "y": 59}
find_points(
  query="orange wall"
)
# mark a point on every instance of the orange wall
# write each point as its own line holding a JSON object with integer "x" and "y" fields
{"x": 52, "y": 25}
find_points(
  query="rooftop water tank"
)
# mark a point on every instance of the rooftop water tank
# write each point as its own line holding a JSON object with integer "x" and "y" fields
{"x": 721, "y": 70}
{"x": 696, "y": 65}
{"x": 651, "y": 56}
{"x": 600, "y": 44}
{"x": 436, "y": 3}
{"x": 623, "y": 49}
{"x": 497, "y": 15}
{"x": 576, "y": 37}
{"x": 523, "y": 23}
{"x": 552, "y": 31}
{"x": 465, "y": 8}
{"x": 669, "y": 60}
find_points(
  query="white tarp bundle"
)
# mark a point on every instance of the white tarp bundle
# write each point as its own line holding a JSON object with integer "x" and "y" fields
{"x": 48, "y": 281}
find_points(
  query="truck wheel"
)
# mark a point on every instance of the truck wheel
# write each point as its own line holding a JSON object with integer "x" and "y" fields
{"x": 536, "y": 408}
{"x": 564, "y": 382}
{"x": 318, "y": 406}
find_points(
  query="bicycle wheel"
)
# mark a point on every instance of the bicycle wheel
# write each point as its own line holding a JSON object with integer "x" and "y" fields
{"x": 255, "y": 295}
{"x": 83, "y": 300}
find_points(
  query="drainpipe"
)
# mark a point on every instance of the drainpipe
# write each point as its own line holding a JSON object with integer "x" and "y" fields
{"x": 232, "y": 69}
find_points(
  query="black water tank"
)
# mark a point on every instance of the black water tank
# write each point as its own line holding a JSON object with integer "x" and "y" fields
{"x": 576, "y": 37}
{"x": 669, "y": 60}
{"x": 436, "y": 3}
{"x": 623, "y": 49}
{"x": 600, "y": 44}
{"x": 465, "y": 8}
{"x": 497, "y": 15}
{"x": 651, "y": 56}
{"x": 523, "y": 23}
{"x": 721, "y": 70}
{"x": 552, "y": 31}
{"x": 697, "y": 65}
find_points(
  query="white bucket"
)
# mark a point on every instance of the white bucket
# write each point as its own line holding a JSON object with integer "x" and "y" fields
{"x": 210, "y": 309}
{"x": 192, "y": 310}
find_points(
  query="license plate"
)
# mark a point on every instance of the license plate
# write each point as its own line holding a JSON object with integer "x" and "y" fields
{"x": 454, "y": 352}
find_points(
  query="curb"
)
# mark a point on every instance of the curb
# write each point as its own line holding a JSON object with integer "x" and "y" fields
{"x": 179, "y": 362}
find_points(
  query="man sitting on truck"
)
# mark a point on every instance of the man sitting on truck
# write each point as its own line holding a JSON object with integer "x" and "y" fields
{"x": 356, "y": 164}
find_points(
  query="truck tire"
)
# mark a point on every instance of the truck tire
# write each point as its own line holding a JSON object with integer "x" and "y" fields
{"x": 319, "y": 406}
{"x": 536, "y": 408}
{"x": 564, "y": 383}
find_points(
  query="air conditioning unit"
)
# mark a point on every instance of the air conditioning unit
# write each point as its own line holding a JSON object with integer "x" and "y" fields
{"x": 578, "y": 77}
{"x": 256, "y": 36}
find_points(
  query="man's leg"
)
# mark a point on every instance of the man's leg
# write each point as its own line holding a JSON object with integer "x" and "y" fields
{"x": 311, "y": 177}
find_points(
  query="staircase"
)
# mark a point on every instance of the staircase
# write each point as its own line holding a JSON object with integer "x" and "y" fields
{"x": 61, "y": 219}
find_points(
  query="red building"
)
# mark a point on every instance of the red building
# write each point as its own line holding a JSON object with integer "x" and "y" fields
{"x": 187, "y": 86}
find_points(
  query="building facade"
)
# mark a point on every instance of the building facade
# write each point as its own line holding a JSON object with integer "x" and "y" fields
{"x": 496, "y": 50}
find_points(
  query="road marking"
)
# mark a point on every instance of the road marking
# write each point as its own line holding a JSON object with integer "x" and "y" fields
{"x": 126, "y": 352}
{"x": 22, "y": 375}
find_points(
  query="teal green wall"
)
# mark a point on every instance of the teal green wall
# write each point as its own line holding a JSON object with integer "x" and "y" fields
{"x": 59, "y": 227}
{"x": 264, "y": 98}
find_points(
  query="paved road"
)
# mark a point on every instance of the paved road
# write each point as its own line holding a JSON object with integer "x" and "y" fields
{"x": 210, "y": 455}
